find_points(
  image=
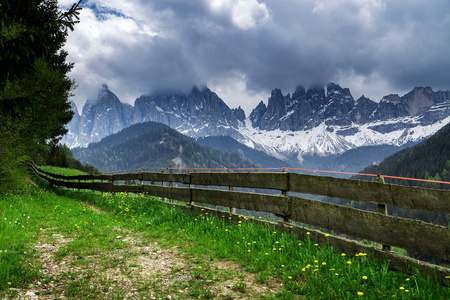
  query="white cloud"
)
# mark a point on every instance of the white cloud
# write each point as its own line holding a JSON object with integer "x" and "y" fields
{"x": 234, "y": 91}
{"x": 245, "y": 14}
{"x": 244, "y": 48}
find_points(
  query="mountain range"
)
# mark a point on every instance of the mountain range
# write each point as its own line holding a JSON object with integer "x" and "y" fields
{"x": 315, "y": 124}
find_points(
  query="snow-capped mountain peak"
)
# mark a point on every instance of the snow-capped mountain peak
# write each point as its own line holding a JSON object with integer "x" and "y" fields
{"x": 313, "y": 121}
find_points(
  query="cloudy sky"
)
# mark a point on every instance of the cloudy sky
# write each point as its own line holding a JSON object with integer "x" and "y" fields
{"x": 242, "y": 49}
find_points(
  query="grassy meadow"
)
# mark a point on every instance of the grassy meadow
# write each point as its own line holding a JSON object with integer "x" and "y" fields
{"x": 87, "y": 245}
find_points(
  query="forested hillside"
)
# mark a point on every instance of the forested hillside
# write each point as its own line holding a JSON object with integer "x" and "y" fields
{"x": 429, "y": 159}
{"x": 152, "y": 144}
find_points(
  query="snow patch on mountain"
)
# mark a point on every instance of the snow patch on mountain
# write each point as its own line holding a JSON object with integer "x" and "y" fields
{"x": 324, "y": 140}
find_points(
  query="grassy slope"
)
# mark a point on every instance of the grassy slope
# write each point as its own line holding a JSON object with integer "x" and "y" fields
{"x": 90, "y": 240}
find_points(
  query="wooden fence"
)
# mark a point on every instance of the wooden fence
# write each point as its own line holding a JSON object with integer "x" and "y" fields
{"x": 418, "y": 236}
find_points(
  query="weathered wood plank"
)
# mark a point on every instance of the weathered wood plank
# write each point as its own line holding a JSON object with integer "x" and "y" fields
{"x": 102, "y": 187}
{"x": 129, "y": 188}
{"x": 181, "y": 194}
{"x": 127, "y": 176}
{"x": 414, "y": 235}
{"x": 100, "y": 176}
{"x": 81, "y": 185}
{"x": 269, "y": 203}
{"x": 374, "y": 192}
{"x": 276, "y": 181}
{"x": 56, "y": 176}
{"x": 166, "y": 177}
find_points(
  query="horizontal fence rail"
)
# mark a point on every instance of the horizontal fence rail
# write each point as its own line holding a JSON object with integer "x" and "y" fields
{"x": 414, "y": 235}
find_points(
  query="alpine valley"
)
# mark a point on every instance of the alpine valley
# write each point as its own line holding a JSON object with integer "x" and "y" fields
{"x": 323, "y": 127}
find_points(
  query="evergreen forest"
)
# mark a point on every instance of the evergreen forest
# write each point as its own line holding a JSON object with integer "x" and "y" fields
{"x": 154, "y": 145}
{"x": 34, "y": 86}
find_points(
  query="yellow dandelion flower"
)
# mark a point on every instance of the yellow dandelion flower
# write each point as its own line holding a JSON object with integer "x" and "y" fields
{"x": 282, "y": 266}
{"x": 289, "y": 277}
{"x": 327, "y": 235}
{"x": 343, "y": 254}
{"x": 349, "y": 262}
{"x": 308, "y": 233}
{"x": 360, "y": 293}
{"x": 402, "y": 288}
{"x": 364, "y": 277}
{"x": 324, "y": 263}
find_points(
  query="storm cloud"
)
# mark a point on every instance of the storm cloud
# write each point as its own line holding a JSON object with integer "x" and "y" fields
{"x": 242, "y": 49}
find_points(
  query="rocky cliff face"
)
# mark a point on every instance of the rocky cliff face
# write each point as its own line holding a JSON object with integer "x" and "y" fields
{"x": 101, "y": 117}
{"x": 307, "y": 109}
{"x": 197, "y": 114}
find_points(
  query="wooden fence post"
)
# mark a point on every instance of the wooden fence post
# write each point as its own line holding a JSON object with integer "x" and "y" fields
{"x": 170, "y": 182}
{"x": 163, "y": 184}
{"x": 285, "y": 194}
{"x": 113, "y": 183}
{"x": 382, "y": 209}
{"x": 191, "y": 186}
{"x": 231, "y": 189}
{"x": 142, "y": 181}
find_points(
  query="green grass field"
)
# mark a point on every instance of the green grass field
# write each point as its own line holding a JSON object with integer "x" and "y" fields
{"x": 85, "y": 245}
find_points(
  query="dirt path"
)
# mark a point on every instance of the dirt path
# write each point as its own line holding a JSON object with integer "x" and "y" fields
{"x": 142, "y": 269}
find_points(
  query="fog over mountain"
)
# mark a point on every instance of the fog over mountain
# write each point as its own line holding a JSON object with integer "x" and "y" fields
{"x": 242, "y": 49}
